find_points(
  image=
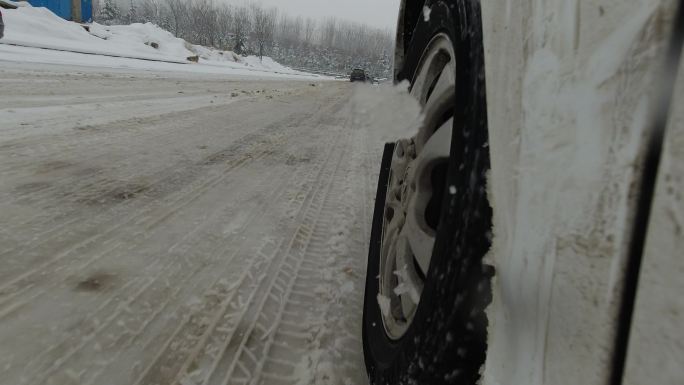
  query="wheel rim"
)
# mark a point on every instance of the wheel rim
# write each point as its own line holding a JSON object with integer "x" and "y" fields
{"x": 414, "y": 194}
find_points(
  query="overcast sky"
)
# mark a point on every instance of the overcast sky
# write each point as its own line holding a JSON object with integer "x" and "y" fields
{"x": 377, "y": 13}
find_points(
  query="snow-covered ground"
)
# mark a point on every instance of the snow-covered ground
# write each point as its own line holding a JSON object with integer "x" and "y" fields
{"x": 39, "y": 36}
{"x": 167, "y": 222}
{"x": 160, "y": 228}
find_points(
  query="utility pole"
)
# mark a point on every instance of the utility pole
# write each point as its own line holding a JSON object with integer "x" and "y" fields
{"x": 76, "y": 11}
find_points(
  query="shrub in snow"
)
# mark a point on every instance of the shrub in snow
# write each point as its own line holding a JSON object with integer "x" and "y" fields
{"x": 110, "y": 13}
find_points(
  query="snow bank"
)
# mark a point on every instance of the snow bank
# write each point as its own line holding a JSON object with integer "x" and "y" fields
{"x": 38, "y": 27}
{"x": 141, "y": 39}
{"x": 267, "y": 63}
{"x": 214, "y": 55}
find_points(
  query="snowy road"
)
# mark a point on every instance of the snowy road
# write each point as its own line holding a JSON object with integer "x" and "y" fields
{"x": 180, "y": 229}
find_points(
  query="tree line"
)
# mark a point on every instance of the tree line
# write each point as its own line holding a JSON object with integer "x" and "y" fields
{"x": 329, "y": 45}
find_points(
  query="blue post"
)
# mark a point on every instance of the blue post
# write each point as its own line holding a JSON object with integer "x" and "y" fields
{"x": 61, "y": 8}
{"x": 87, "y": 10}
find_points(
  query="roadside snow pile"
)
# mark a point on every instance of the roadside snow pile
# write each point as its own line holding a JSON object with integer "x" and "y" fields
{"x": 37, "y": 27}
{"x": 267, "y": 63}
{"x": 143, "y": 39}
{"x": 214, "y": 55}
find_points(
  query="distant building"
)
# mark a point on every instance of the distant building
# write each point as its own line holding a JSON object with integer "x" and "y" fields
{"x": 76, "y": 10}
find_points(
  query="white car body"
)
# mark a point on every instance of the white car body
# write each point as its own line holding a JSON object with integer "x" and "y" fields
{"x": 573, "y": 88}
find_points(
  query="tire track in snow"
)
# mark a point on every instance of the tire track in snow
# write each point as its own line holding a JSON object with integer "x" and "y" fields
{"x": 137, "y": 219}
{"x": 246, "y": 353}
{"x": 43, "y": 269}
{"x": 251, "y": 353}
{"x": 19, "y": 286}
{"x": 125, "y": 307}
{"x": 119, "y": 133}
{"x": 167, "y": 177}
{"x": 327, "y": 338}
{"x": 104, "y": 185}
{"x": 227, "y": 329}
{"x": 221, "y": 288}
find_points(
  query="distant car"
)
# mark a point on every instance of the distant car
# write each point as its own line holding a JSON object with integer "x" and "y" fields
{"x": 2, "y": 26}
{"x": 358, "y": 75}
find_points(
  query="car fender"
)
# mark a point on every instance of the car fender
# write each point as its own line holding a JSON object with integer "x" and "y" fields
{"x": 571, "y": 89}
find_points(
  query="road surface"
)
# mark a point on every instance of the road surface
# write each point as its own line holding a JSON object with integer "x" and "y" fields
{"x": 180, "y": 229}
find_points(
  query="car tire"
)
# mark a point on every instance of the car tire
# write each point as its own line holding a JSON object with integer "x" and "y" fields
{"x": 446, "y": 340}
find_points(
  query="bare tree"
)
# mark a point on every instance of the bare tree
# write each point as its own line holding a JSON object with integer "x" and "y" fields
{"x": 296, "y": 31}
{"x": 150, "y": 11}
{"x": 329, "y": 32}
{"x": 203, "y": 22}
{"x": 224, "y": 26}
{"x": 283, "y": 27}
{"x": 309, "y": 29}
{"x": 264, "y": 26}
{"x": 132, "y": 15}
{"x": 288, "y": 31}
{"x": 241, "y": 28}
{"x": 178, "y": 11}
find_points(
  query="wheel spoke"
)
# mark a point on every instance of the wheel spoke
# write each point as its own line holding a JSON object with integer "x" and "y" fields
{"x": 414, "y": 190}
{"x": 437, "y": 148}
{"x": 420, "y": 236}
{"x": 421, "y": 84}
{"x": 410, "y": 285}
{"x": 439, "y": 103}
{"x": 420, "y": 242}
{"x": 445, "y": 89}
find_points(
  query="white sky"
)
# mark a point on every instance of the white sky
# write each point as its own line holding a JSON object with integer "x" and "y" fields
{"x": 376, "y": 13}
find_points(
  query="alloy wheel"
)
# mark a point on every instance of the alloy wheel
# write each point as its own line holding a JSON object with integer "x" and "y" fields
{"x": 415, "y": 190}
